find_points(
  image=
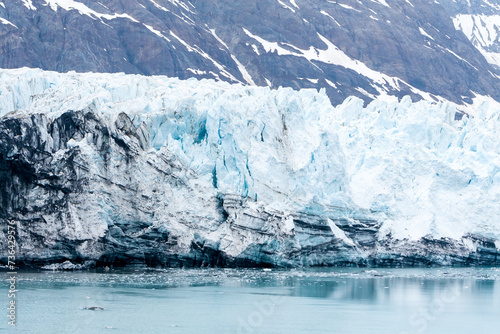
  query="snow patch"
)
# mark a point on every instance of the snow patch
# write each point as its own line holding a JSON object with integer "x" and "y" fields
{"x": 294, "y": 4}
{"x": 4, "y": 21}
{"x": 156, "y": 32}
{"x": 284, "y": 5}
{"x": 84, "y": 10}
{"x": 255, "y": 49}
{"x": 159, "y": 6}
{"x": 348, "y": 7}
{"x": 197, "y": 72}
{"x": 28, "y": 4}
{"x": 422, "y": 31}
{"x": 331, "y": 17}
{"x": 382, "y": 2}
{"x": 408, "y": 1}
{"x": 331, "y": 83}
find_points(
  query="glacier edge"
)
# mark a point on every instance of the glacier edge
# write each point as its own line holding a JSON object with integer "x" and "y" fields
{"x": 113, "y": 169}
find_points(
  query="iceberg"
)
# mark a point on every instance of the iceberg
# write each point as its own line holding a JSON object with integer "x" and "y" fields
{"x": 125, "y": 169}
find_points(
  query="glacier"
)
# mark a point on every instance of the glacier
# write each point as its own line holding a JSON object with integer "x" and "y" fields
{"x": 115, "y": 169}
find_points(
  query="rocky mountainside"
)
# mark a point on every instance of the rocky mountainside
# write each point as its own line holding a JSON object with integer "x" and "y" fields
{"x": 422, "y": 48}
{"x": 113, "y": 169}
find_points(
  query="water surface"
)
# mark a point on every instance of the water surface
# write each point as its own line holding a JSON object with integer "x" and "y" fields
{"x": 221, "y": 301}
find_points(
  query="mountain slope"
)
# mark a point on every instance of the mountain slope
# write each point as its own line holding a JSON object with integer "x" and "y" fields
{"x": 348, "y": 47}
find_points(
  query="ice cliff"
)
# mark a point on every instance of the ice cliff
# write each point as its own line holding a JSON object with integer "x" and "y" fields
{"x": 113, "y": 169}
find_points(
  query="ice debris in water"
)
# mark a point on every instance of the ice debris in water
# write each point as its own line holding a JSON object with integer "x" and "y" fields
{"x": 66, "y": 265}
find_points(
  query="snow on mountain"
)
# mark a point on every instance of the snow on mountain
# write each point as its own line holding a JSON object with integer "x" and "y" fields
{"x": 484, "y": 32}
{"x": 83, "y": 9}
{"x": 367, "y": 49}
{"x": 121, "y": 168}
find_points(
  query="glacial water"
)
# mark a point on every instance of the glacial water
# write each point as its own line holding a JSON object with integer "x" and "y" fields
{"x": 444, "y": 300}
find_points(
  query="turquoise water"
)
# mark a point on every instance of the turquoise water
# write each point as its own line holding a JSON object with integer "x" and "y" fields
{"x": 255, "y": 301}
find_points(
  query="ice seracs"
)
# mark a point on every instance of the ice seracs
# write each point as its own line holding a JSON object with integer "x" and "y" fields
{"x": 121, "y": 169}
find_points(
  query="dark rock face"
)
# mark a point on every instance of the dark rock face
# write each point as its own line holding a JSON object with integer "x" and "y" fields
{"x": 40, "y": 187}
{"x": 415, "y": 42}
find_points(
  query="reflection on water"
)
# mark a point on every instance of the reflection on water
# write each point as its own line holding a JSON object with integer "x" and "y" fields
{"x": 256, "y": 301}
{"x": 383, "y": 289}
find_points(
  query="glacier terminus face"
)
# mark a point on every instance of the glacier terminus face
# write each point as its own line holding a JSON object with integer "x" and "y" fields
{"x": 114, "y": 169}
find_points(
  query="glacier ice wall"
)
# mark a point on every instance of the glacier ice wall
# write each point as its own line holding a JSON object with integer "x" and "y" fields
{"x": 118, "y": 169}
